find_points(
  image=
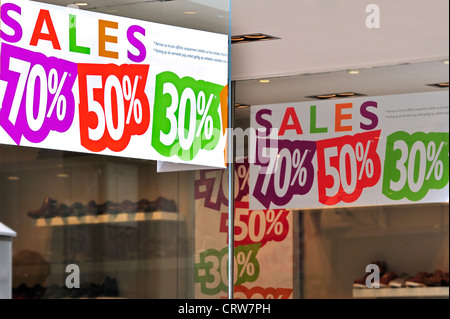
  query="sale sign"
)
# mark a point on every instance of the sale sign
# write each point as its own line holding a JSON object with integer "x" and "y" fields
{"x": 263, "y": 241}
{"x": 361, "y": 151}
{"x": 87, "y": 82}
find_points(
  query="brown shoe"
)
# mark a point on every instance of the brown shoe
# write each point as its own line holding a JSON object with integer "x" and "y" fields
{"x": 399, "y": 282}
{"x": 386, "y": 279}
{"x": 360, "y": 282}
{"x": 417, "y": 280}
{"x": 48, "y": 209}
{"x": 127, "y": 206}
{"x": 444, "y": 282}
{"x": 435, "y": 279}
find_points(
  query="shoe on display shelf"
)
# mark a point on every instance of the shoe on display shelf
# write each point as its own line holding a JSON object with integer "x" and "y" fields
{"x": 386, "y": 279}
{"x": 108, "y": 207}
{"x": 164, "y": 204}
{"x": 417, "y": 280}
{"x": 444, "y": 282}
{"x": 399, "y": 282}
{"x": 127, "y": 206}
{"x": 108, "y": 287}
{"x": 435, "y": 279}
{"x": 63, "y": 210}
{"x": 56, "y": 292}
{"x": 144, "y": 205}
{"x": 25, "y": 292}
{"x": 91, "y": 208}
{"x": 51, "y": 208}
{"x": 77, "y": 209}
{"x": 48, "y": 209}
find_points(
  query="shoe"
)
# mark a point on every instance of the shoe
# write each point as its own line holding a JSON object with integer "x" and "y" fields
{"x": 91, "y": 208}
{"x": 144, "y": 205}
{"x": 386, "y": 279}
{"x": 22, "y": 292}
{"x": 108, "y": 207}
{"x": 127, "y": 206}
{"x": 37, "y": 291}
{"x": 435, "y": 279}
{"x": 63, "y": 210}
{"x": 77, "y": 209}
{"x": 101, "y": 209}
{"x": 35, "y": 213}
{"x": 112, "y": 208}
{"x": 48, "y": 209}
{"x": 108, "y": 287}
{"x": 76, "y": 293}
{"x": 417, "y": 280}
{"x": 399, "y": 282}
{"x": 361, "y": 282}
{"x": 444, "y": 282}
{"x": 164, "y": 204}
{"x": 89, "y": 290}
{"x": 56, "y": 292}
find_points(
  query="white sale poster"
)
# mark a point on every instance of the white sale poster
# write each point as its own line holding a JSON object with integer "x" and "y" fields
{"x": 89, "y": 82}
{"x": 361, "y": 151}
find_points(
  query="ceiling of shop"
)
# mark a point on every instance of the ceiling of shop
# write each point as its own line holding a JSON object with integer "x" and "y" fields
{"x": 327, "y": 35}
{"x": 319, "y": 40}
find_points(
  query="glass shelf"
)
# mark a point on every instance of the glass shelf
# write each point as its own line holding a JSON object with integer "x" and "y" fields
{"x": 108, "y": 218}
{"x": 417, "y": 292}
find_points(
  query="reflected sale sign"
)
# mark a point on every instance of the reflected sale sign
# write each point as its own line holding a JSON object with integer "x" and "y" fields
{"x": 361, "y": 151}
{"x": 263, "y": 241}
{"x": 87, "y": 82}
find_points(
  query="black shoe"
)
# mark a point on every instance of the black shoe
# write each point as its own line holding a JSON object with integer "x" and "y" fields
{"x": 127, "y": 206}
{"x": 77, "y": 209}
{"x": 144, "y": 205}
{"x": 108, "y": 207}
{"x": 108, "y": 287}
{"x": 55, "y": 292}
{"x": 63, "y": 210}
{"x": 91, "y": 208}
{"x": 89, "y": 290}
{"x": 164, "y": 204}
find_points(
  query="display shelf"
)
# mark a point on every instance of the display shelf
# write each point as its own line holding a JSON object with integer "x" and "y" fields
{"x": 107, "y": 218}
{"x": 413, "y": 292}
